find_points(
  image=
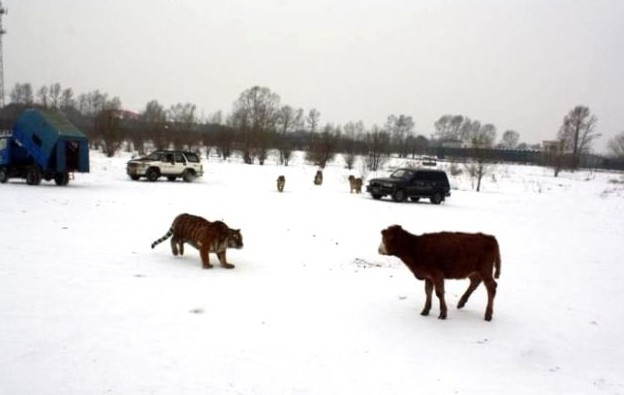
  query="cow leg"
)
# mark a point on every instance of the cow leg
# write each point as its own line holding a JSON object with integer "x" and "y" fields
{"x": 428, "y": 292}
{"x": 438, "y": 283}
{"x": 181, "y": 247}
{"x": 475, "y": 280}
{"x": 491, "y": 285}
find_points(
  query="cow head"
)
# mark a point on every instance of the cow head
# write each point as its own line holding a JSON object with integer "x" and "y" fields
{"x": 389, "y": 239}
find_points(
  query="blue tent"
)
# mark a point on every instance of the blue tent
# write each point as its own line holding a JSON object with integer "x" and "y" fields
{"x": 54, "y": 142}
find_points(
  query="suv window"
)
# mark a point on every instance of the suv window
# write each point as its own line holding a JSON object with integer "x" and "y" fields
{"x": 154, "y": 156}
{"x": 402, "y": 173}
{"x": 179, "y": 158}
{"x": 429, "y": 176}
{"x": 192, "y": 157}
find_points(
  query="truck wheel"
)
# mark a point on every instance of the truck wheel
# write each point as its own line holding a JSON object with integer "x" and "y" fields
{"x": 189, "y": 175}
{"x": 33, "y": 177}
{"x": 399, "y": 195}
{"x": 134, "y": 177}
{"x": 152, "y": 174}
{"x": 376, "y": 196}
{"x": 436, "y": 198}
{"x": 61, "y": 179}
{"x": 4, "y": 175}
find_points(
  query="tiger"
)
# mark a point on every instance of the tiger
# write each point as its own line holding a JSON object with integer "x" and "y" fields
{"x": 355, "y": 184}
{"x": 281, "y": 181}
{"x": 204, "y": 235}
{"x": 318, "y": 178}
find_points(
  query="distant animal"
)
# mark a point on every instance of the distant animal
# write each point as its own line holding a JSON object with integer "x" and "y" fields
{"x": 281, "y": 181}
{"x": 204, "y": 235}
{"x": 355, "y": 184}
{"x": 318, "y": 178}
{"x": 434, "y": 257}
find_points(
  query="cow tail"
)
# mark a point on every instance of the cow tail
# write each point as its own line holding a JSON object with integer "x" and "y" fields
{"x": 497, "y": 263}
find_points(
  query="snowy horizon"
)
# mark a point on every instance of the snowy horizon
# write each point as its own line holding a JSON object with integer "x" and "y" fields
{"x": 311, "y": 307}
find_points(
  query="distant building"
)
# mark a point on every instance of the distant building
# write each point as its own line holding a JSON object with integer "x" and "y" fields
{"x": 125, "y": 114}
{"x": 550, "y": 146}
{"x": 452, "y": 143}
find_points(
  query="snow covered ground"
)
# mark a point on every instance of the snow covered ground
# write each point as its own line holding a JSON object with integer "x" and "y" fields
{"x": 87, "y": 307}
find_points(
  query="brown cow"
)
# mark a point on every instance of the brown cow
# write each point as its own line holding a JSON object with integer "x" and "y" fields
{"x": 435, "y": 256}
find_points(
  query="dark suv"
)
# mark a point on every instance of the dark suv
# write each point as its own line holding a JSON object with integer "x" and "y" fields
{"x": 412, "y": 183}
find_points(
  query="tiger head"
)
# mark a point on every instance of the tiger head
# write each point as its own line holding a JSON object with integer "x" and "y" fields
{"x": 235, "y": 239}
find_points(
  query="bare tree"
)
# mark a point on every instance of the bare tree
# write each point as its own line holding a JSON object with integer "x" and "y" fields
{"x": 400, "y": 127}
{"x": 313, "y": 119}
{"x": 91, "y": 103}
{"x": 416, "y": 145}
{"x": 67, "y": 99}
{"x": 224, "y": 140}
{"x": 182, "y": 118}
{"x": 255, "y": 114}
{"x": 577, "y": 132}
{"x": 107, "y": 125}
{"x": 349, "y": 144}
{"x": 42, "y": 95}
{"x": 481, "y": 141}
{"x": 216, "y": 118}
{"x": 323, "y": 146}
{"x": 510, "y": 139}
{"x": 154, "y": 118}
{"x": 22, "y": 94}
{"x": 453, "y": 127}
{"x": 289, "y": 119}
{"x": 616, "y": 146}
{"x": 54, "y": 95}
{"x": 377, "y": 143}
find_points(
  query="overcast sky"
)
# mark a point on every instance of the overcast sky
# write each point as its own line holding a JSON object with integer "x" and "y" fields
{"x": 519, "y": 64}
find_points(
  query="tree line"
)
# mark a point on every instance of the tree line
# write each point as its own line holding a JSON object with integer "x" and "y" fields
{"x": 259, "y": 124}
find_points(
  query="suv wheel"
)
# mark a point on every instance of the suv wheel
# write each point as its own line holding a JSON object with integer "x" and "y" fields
{"x": 134, "y": 177}
{"x": 376, "y": 196}
{"x": 152, "y": 174}
{"x": 189, "y": 175}
{"x": 436, "y": 198}
{"x": 399, "y": 195}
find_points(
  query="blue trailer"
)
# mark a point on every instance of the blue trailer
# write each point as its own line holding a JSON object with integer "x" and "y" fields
{"x": 43, "y": 144}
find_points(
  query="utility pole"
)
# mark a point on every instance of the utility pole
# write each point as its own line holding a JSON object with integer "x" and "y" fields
{"x": 2, "y": 32}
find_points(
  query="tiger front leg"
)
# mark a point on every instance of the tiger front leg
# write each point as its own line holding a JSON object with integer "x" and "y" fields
{"x": 203, "y": 253}
{"x": 223, "y": 260}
